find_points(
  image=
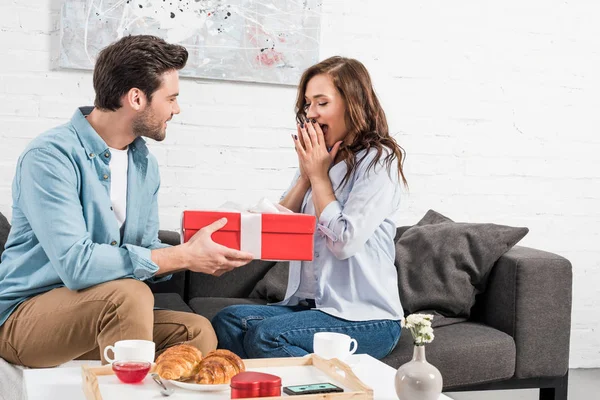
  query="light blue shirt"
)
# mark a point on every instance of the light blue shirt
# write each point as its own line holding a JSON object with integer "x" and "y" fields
{"x": 353, "y": 265}
{"x": 64, "y": 231}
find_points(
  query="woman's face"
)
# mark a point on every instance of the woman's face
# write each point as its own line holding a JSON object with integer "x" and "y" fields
{"x": 326, "y": 105}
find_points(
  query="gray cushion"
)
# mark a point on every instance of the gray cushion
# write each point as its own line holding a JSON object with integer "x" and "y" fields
{"x": 273, "y": 286}
{"x": 170, "y": 301}
{"x": 210, "y": 306}
{"x": 237, "y": 283}
{"x": 442, "y": 265}
{"x": 465, "y": 353}
{"x": 4, "y": 229}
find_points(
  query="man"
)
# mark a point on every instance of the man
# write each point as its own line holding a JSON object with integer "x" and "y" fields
{"x": 85, "y": 222}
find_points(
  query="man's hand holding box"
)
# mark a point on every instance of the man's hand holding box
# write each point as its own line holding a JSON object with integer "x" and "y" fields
{"x": 277, "y": 234}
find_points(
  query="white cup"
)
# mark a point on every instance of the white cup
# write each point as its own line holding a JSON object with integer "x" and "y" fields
{"x": 131, "y": 350}
{"x": 334, "y": 345}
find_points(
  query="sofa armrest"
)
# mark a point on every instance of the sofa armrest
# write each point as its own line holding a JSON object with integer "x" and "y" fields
{"x": 529, "y": 297}
{"x": 169, "y": 237}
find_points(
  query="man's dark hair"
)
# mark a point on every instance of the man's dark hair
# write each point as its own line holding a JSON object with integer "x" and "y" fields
{"x": 134, "y": 62}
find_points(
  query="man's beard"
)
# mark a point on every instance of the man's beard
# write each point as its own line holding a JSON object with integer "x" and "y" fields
{"x": 145, "y": 126}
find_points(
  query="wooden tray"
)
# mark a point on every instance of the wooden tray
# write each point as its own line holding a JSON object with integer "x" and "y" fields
{"x": 338, "y": 371}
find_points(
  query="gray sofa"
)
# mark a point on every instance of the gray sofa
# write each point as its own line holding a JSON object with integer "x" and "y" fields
{"x": 517, "y": 334}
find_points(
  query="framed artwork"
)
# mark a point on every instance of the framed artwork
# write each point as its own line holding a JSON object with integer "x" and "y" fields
{"x": 269, "y": 41}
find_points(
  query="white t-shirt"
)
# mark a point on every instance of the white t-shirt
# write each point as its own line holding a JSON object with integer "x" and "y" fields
{"x": 118, "y": 165}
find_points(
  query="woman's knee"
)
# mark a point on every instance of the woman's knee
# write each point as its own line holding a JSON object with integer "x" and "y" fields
{"x": 235, "y": 315}
{"x": 271, "y": 340}
{"x": 265, "y": 334}
{"x": 226, "y": 313}
{"x": 228, "y": 319}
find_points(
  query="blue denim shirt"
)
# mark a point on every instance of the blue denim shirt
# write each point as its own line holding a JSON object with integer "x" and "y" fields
{"x": 353, "y": 264}
{"x": 64, "y": 231}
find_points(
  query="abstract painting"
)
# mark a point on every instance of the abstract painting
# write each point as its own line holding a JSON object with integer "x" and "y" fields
{"x": 269, "y": 41}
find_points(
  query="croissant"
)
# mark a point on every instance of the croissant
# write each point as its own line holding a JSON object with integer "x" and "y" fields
{"x": 218, "y": 367}
{"x": 178, "y": 362}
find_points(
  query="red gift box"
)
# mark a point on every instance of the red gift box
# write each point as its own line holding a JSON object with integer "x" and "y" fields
{"x": 285, "y": 236}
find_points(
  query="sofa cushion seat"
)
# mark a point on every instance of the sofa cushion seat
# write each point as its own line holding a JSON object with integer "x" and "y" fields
{"x": 466, "y": 354}
{"x": 210, "y": 306}
{"x": 170, "y": 301}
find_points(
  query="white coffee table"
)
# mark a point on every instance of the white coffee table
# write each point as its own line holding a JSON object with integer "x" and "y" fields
{"x": 65, "y": 383}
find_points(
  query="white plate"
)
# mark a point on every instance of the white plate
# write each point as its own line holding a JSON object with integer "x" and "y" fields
{"x": 201, "y": 387}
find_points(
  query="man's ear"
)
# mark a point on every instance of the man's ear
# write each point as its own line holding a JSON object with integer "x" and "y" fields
{"x": 135, "y": 99}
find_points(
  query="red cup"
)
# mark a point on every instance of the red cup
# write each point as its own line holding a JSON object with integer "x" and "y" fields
{"x": 131, "y": 371}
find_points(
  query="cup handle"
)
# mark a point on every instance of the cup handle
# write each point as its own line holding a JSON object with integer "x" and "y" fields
{"x": 106, "y": 357}
{"x": 353, "y": 347}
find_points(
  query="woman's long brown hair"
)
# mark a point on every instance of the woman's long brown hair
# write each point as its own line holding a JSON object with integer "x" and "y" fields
{"x": 365, "y": 119}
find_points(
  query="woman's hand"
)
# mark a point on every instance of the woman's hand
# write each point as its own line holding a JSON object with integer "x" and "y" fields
{"x": 298, "y": 138}
{"x": 315, "y": 162}
{"x": 313, "y": 156}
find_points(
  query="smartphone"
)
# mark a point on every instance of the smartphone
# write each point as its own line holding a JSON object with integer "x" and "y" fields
{"x": 312, "y": 389}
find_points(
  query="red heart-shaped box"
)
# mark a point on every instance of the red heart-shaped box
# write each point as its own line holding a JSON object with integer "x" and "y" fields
{"x": 255, "y": 384}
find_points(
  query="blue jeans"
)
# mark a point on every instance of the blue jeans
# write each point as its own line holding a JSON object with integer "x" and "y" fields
{"x": 256, "y": 331}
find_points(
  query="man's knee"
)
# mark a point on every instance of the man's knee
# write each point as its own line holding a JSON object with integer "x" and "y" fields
{"x": 128, "y": 291}
{"x": 198, "y": 325}
{"x": 201, "y": 333}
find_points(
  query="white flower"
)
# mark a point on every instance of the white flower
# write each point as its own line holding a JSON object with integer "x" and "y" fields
{"x": 425, "y": 330}
{"x": 414, "y": 319}
{"x": 419, "y": 319}
{"x": 420, "y": 327}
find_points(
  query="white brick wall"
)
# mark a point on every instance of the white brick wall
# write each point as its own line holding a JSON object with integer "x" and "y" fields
{"x": 496, "y": 103}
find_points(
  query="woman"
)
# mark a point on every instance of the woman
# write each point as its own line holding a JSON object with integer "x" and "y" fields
{"x": 348, "y": 176}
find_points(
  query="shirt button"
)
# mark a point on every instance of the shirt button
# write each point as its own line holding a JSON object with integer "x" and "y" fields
{"x": 92, "y": 155}
{"x": 105, "y": 176}
{"x": 106, "y": 154}
{"x": 113, "y": 243}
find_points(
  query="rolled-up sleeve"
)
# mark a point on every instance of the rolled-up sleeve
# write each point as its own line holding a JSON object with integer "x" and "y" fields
{"x": 373, "y": 198}
{"x": 48, "y": 196}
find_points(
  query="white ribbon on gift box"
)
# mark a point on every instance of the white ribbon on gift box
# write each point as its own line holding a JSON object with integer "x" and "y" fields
{"x": 250, "y": 233}
{"x": 251, "y": 222}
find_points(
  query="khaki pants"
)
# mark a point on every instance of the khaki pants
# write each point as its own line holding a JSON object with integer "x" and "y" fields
{"x": 61, "y": 325}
